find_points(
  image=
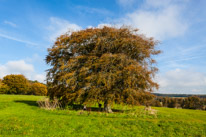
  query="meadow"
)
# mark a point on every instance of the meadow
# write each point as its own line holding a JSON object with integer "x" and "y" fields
{"x": 21, "y": 116}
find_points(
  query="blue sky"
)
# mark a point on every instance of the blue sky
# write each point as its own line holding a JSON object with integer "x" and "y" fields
{"x": 29, "y": 27}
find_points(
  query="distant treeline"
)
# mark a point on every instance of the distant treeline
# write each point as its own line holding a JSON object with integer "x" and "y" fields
{"x": 192, "y": 102}
{"x": 178, "y": 95}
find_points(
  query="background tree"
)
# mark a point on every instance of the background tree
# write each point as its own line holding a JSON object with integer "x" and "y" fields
{"x": 3, "y": 88}
{"x": 101, "y": 65}
{"x": 17, "y": 84}
{"x": 192, "y": 102}
{"x": 38, "y": 89}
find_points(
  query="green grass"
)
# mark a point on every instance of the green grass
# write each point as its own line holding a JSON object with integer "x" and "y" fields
{"x": 20, "y": 116}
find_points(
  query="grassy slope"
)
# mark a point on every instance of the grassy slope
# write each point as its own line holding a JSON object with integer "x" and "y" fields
{"x": 20, "y": 116}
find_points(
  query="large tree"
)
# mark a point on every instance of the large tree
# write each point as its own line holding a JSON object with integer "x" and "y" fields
{"x": 102, "y": 65}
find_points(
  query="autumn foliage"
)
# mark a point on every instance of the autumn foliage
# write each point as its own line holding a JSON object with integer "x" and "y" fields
{"x": 18, "y": 84}
{"x": 102, "y": 65}
{"x": 38, "y": 89}
{"x": 3, "y": 87}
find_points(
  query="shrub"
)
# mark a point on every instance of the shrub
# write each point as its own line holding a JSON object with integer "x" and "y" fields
{"x": 17, "y": 84}
{"x": 3, "y": 88}
{"x": 38, "y": 89}
{"x": 46, "y": 103}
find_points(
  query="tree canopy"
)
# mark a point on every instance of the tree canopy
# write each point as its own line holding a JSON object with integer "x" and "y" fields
{"x": 3, "y": 87}
{"x": 17, "y": 84}
{"x": 102, "y": 65}
{"x": 38, "y": 89}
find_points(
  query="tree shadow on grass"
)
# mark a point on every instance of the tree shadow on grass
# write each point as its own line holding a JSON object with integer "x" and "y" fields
{"x": 28, "y": 102}
{"x": 94, "y": 109}
{"x": 71, "y": 107}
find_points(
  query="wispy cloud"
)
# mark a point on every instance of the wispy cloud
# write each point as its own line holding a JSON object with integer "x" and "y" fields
{"x": 34, "y": 58}
{"x": 59, "y": 26}
{"x": 10, "y": 23}
{"x": 161, "y": 20}
{"x": 125, "y": 3}
{"x": 18, "y": 40}
{"x": 184, "y": 59}
{"x": 181, "y": 54}
{"x": 93, "y": 10}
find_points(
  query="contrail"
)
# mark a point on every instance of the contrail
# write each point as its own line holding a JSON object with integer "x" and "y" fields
{"x": 18, "y": 40}
{"x": 184, "y": 59}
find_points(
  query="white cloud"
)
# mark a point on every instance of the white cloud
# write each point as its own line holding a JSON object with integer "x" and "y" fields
{"x": 10, "y": 23}
{"x": 182, "y": 81}
{"x": 159, "y": 19}
{"x": 21, "y": 67}
{"x": 103, "y": 24}
{"x": 40, "y": 77}
{"x": 15, "y": 67}
{"x": 34, "y": 58}
{"x": 59, "y": 26}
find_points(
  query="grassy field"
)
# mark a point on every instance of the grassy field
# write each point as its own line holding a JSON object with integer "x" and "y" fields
{"x": 20, "y": 116}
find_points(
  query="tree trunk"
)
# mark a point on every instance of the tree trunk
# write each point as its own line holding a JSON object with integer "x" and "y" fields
{"x": 107, "y": 107}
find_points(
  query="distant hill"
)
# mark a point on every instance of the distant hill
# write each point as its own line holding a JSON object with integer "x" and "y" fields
{"x": 178, "y": 95}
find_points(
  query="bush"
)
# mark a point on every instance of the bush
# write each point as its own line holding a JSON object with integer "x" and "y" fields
{"x": 3, "y": 88}
{"x": 46, "y": 103}
{"x": 38, "y": 89}
{"x": 17, "y": 84}
{"x": 193, "y": 102}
